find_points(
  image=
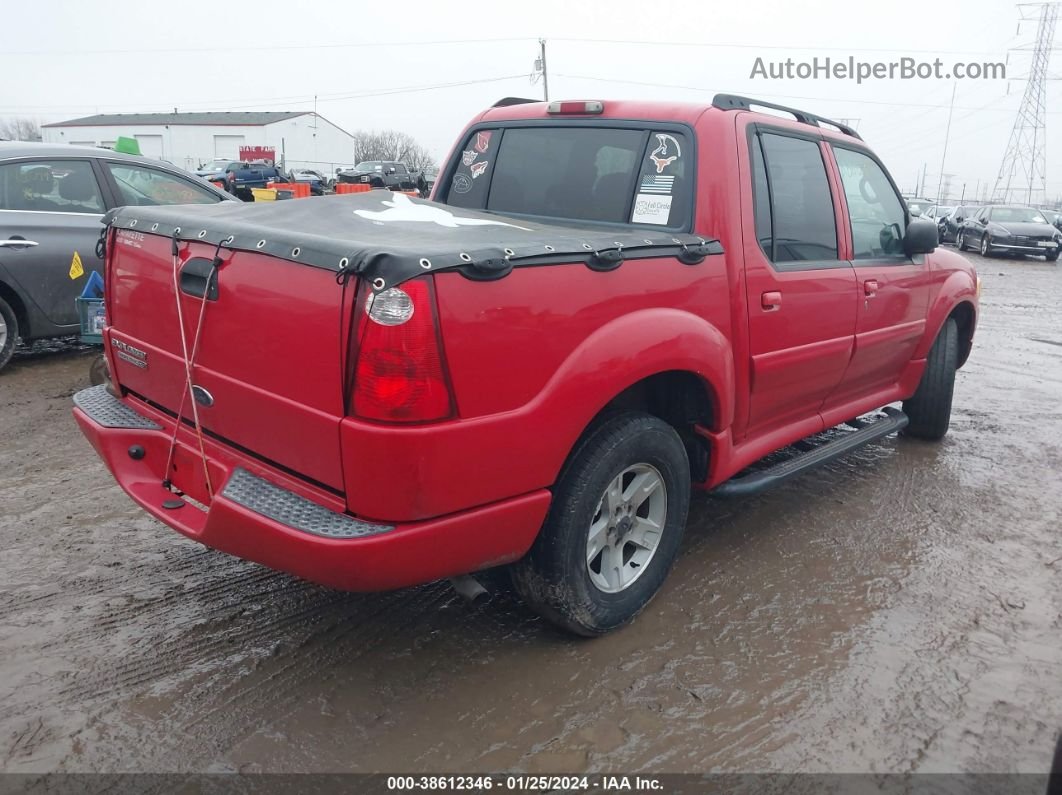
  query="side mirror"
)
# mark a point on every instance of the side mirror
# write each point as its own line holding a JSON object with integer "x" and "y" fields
{"x": 921, "y": 237}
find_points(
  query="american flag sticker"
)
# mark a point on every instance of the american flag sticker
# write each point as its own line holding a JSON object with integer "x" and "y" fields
{"x": 657, "y": 183}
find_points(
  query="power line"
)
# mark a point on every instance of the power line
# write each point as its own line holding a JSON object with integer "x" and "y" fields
{"x": 206, "y": 107}
{"x": 793, "y": 47}
{"x": 781, "y": 96}
{"x": 267, "y": 47}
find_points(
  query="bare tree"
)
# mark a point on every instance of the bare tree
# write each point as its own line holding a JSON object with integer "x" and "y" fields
{"x": 391, "y": 145}
{"x": 20, "y": 130}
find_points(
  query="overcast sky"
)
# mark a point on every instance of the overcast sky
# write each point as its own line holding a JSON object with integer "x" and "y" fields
{"x": 75, "y": 58}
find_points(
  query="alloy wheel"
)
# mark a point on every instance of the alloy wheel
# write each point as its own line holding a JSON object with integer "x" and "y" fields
{"x": 626, "y": 529}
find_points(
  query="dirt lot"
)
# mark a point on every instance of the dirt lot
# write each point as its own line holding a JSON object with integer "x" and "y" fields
{"x": 899, "y": 611}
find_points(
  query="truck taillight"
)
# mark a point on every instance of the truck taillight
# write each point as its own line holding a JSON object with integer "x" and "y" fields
{"x": 400, "y": 375}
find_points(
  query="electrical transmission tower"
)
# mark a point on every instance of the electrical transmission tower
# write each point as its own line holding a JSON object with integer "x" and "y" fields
{"x": 1024, "y": 167}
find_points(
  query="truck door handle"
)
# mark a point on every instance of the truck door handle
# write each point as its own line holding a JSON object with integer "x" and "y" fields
{"x": 771, "y": 300}
{"x": 870, "y": 288}
{"x": 17, "y": 242}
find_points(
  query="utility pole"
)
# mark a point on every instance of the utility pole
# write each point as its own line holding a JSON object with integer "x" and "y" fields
{"x": 545, "y": 74}
{"x": 947, "y": 134}
{"x": 1026, "y": 150}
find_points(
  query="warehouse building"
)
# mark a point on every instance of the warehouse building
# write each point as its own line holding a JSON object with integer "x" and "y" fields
{"x": 299, "y": 139}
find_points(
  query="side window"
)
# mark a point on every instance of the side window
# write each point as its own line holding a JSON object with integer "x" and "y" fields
{"x": 662, "y": 196}
{"x": 875, "y": 211}
{"x": 139, "y": 185}
{"x": 802, "y": 219}
{"x": 469, "y": 184}
{"x": 66, "y": 186}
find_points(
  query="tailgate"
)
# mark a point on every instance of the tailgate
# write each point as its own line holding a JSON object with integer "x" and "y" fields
{"x": 269, "y": 349}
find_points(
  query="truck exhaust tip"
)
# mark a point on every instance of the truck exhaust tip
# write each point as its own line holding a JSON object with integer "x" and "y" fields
{"x": 470, "y": 589}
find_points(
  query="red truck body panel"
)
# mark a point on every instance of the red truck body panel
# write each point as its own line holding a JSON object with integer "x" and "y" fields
{"x": 532, "y": 358}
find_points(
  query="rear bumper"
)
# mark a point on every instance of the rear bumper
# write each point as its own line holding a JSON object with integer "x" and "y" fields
{"x": 264, "y": 515}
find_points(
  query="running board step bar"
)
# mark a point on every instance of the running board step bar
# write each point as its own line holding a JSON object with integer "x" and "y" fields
{"x": 894, "y": 420}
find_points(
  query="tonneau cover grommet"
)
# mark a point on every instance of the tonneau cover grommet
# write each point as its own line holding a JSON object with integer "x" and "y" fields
{"x": 202, "y": 234}
{"x": 379, "y": 284}
{"x": 425, "y": 263}
{"x": 229, "y": 239}
{"x": 296, "y": 251}
{"x": 344, "y": 262}
{"x": 132, "y": 223}
{"x": 549, "y": 248}
{"x": 588, "y": 247}
{"x": 465, "y": 257}
{"x": 154, "y": 227}
{"x": 509, "y": 252}
{"x": 259, "y": 244}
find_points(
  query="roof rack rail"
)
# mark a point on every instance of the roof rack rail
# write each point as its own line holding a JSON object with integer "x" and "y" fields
{"x": 505, "y": 102}
{"x": 735, "y": 102}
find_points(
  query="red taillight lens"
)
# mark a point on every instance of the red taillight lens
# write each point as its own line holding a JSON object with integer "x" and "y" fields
{"x": 400, "y": 375}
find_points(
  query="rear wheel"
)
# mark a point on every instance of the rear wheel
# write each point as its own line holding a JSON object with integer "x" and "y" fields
{"x": 8, "y": 333}
{"x": 929, "y": 409}
{"x": 613, "y": 529}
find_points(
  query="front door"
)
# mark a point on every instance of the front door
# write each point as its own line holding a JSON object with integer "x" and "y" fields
{"x": 50, "y": 210}
{"x": 801, "y": 296}
{"x": 893, "y": 288}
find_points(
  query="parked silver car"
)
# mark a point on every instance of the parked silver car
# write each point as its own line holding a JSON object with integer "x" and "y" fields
{"x": 52, "y": 197}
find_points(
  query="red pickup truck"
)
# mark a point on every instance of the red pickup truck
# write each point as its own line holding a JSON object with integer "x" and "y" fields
{"x": 604, "y": 304}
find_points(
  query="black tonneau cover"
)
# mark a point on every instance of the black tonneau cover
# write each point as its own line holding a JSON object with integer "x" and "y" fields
{"x": 388, "y": 238}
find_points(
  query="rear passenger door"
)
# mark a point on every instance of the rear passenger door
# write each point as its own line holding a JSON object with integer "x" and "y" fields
{"x": 801, "y": 295}
{"x": 893, "y": 288}
{"x": 50, "y": 211}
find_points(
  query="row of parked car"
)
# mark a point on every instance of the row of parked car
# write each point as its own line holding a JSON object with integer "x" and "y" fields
{"x": 238, "y": 177}
{"x": 996, "y": 229}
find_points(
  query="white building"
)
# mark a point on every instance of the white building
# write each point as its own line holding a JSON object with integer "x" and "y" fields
{"x": 299, "y": 138}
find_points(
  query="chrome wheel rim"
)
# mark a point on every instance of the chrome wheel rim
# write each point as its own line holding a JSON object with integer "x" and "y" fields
{"x": 3, "y": 333}
{"x": 984, "y": 246}
{"x": 626, "y": 528}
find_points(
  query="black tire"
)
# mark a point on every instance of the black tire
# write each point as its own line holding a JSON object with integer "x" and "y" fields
{"x": 8, "y": 333}
{"x": 986, "y": 245}
{"x": 1053, "y": 256}
{"x": 960, "y": 241}
{"x": 929, "y": 409}
{"x": 98, "y": 370}
{"x": 554, "y": 578}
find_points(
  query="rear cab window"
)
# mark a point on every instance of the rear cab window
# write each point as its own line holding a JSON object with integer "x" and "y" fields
{"x": 616, "y": 175}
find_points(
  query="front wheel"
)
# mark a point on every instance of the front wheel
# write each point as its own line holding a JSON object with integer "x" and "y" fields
{"x": 960, "y": 242}
{"x": 986, "y": 246}
{"x": 1053, "y": 256}
{"x": 618, "y": 513}
{"x": 929, "y": 409}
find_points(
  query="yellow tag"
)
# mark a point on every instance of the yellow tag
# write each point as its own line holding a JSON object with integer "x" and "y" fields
{"x": 77, "y": 270}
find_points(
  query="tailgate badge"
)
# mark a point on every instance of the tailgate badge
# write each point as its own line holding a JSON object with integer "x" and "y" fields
{"x": 202, "y": 397}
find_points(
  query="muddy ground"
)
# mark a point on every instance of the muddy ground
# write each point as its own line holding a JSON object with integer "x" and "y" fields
{"x": 898, "y": 611}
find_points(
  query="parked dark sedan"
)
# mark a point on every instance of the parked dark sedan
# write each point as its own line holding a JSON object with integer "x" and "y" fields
{"x": 1006, "y": 229}
{"x": 52, "y": 197}
{"x": 949, "y": 224}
